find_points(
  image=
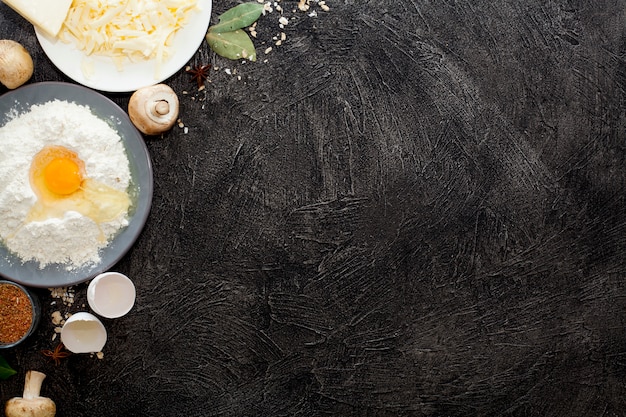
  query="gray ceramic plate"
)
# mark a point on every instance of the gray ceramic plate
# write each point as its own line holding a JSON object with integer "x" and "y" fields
{"x": 30, "y": 273}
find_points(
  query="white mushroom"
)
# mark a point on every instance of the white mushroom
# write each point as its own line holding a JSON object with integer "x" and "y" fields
{"x": 31, "y": 404}
{"x": 154, "y": 109}
{"x": 16, "y": 64}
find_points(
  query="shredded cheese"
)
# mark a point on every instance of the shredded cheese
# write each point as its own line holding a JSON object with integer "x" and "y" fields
{"x": 126, "y": 29}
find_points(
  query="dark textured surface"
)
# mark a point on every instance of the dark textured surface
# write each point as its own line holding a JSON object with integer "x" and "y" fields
{"x": 413, "y": 208}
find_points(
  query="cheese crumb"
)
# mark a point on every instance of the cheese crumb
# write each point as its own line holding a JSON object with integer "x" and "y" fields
{"x": 303, "y": 5}
{"x": 56, "y": 317}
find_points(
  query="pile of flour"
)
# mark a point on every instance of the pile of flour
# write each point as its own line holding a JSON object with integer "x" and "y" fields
{"x": 73, "y": 240}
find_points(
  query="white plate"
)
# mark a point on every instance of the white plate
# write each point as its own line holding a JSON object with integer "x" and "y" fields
{"x": 134, "y": 75}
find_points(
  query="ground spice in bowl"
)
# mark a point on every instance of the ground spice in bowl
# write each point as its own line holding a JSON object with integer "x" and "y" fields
{"x": 18, "y": 314}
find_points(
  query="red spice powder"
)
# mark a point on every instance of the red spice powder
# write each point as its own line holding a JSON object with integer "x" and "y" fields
{"x": 16, "y": 313}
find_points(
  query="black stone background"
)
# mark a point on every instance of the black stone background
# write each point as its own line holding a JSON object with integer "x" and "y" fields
{"x": 413, "y": 208}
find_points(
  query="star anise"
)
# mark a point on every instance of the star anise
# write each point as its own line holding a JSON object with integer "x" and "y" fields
{"x": 199, "y": 73}
{"x": 56, "y": 355}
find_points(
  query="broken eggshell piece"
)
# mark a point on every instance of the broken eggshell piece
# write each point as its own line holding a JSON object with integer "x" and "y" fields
{"x": 111, "y": 295}
{"x": 83, "y": 333}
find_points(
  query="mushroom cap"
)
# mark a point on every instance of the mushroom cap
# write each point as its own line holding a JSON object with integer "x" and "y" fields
{"x": 154, "y": 109}
{"x": 34, "y": 407}
{"x": 16, "y": 64}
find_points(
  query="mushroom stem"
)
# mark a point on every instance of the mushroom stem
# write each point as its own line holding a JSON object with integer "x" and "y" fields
{"x": 32, "y": 384}
{"x": 161, "y": 108}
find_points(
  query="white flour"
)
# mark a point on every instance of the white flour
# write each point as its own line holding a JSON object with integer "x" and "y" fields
{"x": 74, "y": 240}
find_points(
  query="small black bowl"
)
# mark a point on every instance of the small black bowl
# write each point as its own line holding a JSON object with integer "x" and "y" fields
{"x": 35, "y": 311}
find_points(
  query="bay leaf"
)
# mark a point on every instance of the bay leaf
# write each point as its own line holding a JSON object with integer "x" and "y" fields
{"x": 232, "y": 45}
{"x": 5, "y": 370}
{"x": 238, "y": 17}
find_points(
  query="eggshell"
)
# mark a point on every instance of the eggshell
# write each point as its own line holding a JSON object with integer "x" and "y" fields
{"x": 111, "y": 295}
{"x": 83, "y": 333}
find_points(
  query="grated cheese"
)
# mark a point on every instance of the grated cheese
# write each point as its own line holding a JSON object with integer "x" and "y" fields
{"x": 124, "y": 30}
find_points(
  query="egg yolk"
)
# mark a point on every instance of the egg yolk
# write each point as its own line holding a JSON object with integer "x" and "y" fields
{"x": 56, "y": 170}
{"x": 62, "y": 176}
{"x": 58, "y": 178}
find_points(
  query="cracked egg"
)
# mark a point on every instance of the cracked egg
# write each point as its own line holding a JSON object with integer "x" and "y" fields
{"x": 59, "y": 179}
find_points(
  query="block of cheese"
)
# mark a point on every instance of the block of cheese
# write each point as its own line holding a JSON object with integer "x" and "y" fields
{"x": 47, "y": 15}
